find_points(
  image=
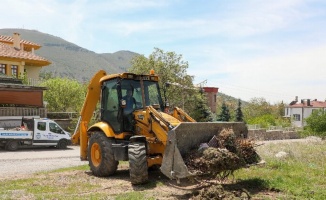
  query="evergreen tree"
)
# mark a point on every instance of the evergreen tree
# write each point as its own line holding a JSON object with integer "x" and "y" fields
{"x": 238, "y": 113}
{"x": 201, "y": 112}
{"x": 225, "y": 113}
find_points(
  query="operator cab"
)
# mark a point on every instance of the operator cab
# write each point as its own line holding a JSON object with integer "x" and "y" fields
{"x": 119, "y": 93}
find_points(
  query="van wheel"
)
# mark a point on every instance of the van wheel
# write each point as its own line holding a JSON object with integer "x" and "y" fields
{"x": 138, "y": 168}
{"x": 62, "y": 144}
{"x": 12, "y": 145}
{"x": 100, "y": 155}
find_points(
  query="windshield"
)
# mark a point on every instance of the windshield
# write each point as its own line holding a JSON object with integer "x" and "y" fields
{"x": 115, "y": 91}
{"x": 151, "y": 92}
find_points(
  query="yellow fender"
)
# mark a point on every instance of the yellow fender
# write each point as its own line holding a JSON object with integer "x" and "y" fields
{"x": 106, "y": 129}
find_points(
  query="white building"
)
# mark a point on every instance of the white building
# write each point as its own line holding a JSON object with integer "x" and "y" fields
{"x": 299, "y": 111}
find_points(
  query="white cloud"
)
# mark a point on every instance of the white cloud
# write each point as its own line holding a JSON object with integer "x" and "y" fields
{"x": 244, "y": 46}
{"x": 277, "y": 78}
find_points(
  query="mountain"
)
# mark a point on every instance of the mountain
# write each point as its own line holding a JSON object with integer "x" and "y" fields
{"x": 71, "y": 60}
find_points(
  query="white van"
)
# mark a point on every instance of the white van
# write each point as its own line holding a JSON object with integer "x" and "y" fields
{"x": 35, "y": 132}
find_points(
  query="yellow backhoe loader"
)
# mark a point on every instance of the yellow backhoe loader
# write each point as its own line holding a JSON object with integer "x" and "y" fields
{"x": 145, "y": 136}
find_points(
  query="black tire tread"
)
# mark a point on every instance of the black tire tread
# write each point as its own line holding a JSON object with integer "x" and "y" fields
{"x": 138, "y": 163}
{"x": 12, "y": 145}
{"x": 109, "y": 165}
{"x": 62, "y": 144}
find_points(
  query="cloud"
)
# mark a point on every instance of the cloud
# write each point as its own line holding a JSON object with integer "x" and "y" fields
{"x": 278, "y": 78}
{"x": 247, "y": 48}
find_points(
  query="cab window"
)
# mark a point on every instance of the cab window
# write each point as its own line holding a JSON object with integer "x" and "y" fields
{"x": 41, "y": 126}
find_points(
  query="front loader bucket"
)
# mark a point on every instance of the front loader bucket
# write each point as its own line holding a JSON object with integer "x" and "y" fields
{"x": 189, "y": 135}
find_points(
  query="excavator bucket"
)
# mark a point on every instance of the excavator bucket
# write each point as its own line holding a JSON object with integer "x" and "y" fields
{"x": 188, "y": 136}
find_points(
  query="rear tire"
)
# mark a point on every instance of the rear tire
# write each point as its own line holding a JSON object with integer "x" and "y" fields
{"x": 100, "y": 155}
{"x": 137, "y": 163}
{"x": 12, "y": 145}
{"x": 62, "y": 144}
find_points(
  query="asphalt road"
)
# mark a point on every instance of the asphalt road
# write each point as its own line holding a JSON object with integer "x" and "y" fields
{"x": 31, "y": 160}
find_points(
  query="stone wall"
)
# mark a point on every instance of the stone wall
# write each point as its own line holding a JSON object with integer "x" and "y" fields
{"x": 262, "y": 134}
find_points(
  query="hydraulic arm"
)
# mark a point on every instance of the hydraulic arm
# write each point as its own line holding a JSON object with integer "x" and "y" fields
{"x": 92, "y": 97}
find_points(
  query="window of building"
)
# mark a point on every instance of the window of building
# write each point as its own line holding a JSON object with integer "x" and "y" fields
{"x": 296, "y": 117}
{"x": 14, "y": 70}
{"x": 2, "y": 69}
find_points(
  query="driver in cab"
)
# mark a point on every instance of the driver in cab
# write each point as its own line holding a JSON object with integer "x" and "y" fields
{"x": 130, "y": 102}
{"x": 127, "y": 111}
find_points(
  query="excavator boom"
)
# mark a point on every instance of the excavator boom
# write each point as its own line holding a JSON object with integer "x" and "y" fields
{"x": 92, "y": 97}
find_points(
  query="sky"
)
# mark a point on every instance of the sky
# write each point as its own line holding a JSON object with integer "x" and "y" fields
{"x": 274, "y": 50}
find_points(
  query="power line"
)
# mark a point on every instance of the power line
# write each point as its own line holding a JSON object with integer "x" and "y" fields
{"x": 255, "y": 92}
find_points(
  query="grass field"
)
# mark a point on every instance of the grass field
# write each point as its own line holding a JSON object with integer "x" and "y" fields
{"x": 299, "y": 173}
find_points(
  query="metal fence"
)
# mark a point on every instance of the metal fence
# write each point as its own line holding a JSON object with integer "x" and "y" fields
{"x": 62, "y": 115}
{"x": 33, "y": 82}
{"x": 22, "y": 111}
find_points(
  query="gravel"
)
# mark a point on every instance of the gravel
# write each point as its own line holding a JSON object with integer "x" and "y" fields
{"x": 27, "y": 161}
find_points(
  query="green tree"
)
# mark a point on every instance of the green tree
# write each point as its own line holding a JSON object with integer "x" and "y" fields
{"x": 264, "y": 120}
{"x": 225, "y": 113}
{"x": 316, "y": 122}
{"x": 177, "y": 86}
{"x": 238, "y": 113}
{"x": 64, "y": 95}
{"x": 231, "y": 103}
{"x": 201, "y": 112}
{"x": 257, "y": 107}
{"x": 279, "y": 109}
{"x": 259, "y": 111}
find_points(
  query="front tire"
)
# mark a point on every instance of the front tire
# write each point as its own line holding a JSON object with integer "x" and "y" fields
{"x": 138, "y": 163}
{"x": 100, "y": 155}
{"x": 62, "y": 144}
{"x": 12, "y": 145}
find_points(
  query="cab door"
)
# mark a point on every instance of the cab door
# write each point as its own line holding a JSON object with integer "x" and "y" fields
{"x": 47, "y": 133}
{"x": 42, "y": 135}
{"x": 56, "y": 132}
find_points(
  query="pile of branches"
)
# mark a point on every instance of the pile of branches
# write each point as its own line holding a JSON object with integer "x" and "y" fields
{"x": 222, "y": 155}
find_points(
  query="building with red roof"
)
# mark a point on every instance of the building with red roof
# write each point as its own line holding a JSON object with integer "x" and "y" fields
{"x": 299, "y": 111}
{"x": 19, "y": 62}
{"x": 17, "y": 57}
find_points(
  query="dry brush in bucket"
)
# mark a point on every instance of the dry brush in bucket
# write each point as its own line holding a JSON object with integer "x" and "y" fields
{"x": 222, "y": 155}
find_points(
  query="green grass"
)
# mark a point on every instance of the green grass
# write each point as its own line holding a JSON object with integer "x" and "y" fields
{"x": 47, "y": 185}
{"x": 300, "y": 175}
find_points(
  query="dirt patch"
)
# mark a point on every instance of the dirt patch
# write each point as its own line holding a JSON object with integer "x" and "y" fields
{"x": 84, "y": 184}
